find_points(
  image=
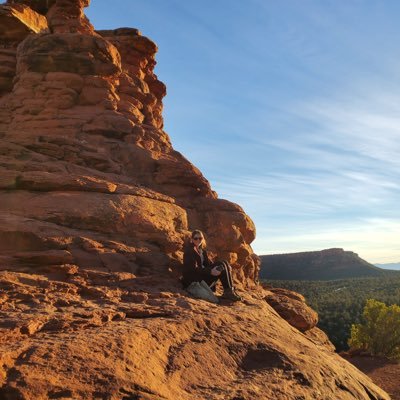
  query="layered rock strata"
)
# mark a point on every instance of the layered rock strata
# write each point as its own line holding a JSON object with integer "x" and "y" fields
{"x": 82, "y": 143}
{"x": 95, "y": 206}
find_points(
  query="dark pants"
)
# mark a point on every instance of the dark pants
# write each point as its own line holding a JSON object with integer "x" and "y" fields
{"x": 225, "y": 277}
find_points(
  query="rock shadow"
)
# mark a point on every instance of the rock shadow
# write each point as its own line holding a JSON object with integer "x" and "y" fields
{"x": 261, "y": 358}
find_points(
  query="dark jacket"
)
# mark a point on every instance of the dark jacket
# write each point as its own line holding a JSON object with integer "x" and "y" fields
{"x": 192, "y": 268}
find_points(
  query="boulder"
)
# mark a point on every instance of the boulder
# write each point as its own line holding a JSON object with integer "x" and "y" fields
{"x": 67, "y": 16}
{"x": 292, "y": 307}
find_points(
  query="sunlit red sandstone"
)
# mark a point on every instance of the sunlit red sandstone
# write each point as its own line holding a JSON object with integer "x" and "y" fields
{"x": 95, "y": 205}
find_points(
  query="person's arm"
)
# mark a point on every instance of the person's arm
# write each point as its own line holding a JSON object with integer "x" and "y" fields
{"x": 211, "y": 267}
{"x": 190, "y": 262}
{"x": 208, "y": 264}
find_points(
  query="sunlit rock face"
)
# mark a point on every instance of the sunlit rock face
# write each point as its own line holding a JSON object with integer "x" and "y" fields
{"x": 83, "y": 144}
{"x": 95, "y": 206}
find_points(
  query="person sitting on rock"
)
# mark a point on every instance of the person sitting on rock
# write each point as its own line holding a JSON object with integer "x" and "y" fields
{"x": 197, "y": 267}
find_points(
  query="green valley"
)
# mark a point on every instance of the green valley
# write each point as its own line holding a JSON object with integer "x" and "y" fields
{"x": 340, "y": 303}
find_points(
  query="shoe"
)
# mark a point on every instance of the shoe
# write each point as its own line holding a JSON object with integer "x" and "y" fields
{"x": 230, "y": 294}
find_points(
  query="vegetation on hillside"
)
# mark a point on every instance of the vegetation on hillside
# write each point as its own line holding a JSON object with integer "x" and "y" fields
{"x": 340, "y": 303}
{"x": 317, "y": 265}
{"x": 379, "y": 334}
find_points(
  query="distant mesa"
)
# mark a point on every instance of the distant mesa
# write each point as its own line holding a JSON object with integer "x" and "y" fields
{"x": 316, "y": 265}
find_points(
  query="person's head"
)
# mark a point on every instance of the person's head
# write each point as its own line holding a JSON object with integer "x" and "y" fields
{"x": 197, "y": 238}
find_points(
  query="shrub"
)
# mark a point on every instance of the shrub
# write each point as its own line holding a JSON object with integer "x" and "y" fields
{"x": 380, "y": 333}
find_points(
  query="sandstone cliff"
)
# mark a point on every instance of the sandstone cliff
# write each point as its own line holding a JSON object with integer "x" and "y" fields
{"x": 95, "y": 205}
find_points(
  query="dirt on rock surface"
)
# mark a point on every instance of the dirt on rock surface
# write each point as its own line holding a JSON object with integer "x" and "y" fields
{"x": 384, "y": 373}
{"x": 95, "y": 206}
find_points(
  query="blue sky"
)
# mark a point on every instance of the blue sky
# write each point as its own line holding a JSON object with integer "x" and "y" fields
{"x": 289, "y": 108}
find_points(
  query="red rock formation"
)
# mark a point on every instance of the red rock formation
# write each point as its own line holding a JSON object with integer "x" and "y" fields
{"x": 16, "y": 22}
{"x": 84, "y": 109}
{"x": 292, "y": 307}
{"x": 95, "y": 205}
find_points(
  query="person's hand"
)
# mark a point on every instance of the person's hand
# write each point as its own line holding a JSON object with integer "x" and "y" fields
{"x": 215, "y": 271}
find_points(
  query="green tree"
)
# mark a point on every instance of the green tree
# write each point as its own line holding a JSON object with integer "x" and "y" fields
{"x": 380, "y": 332}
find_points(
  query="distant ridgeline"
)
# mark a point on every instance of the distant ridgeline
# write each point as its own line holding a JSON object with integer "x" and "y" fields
{"x": 317, "y": 265}
{"x": 392, "y": 266}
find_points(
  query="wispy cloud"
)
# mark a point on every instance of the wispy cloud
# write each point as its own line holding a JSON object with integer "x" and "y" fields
{"x": 369, "y": 129}
{"x": 291, "y": 109}
{"x": 336, "y": 184}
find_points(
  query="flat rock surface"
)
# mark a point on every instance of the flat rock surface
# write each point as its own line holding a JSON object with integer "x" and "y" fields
{"x": 65, "y": 334}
